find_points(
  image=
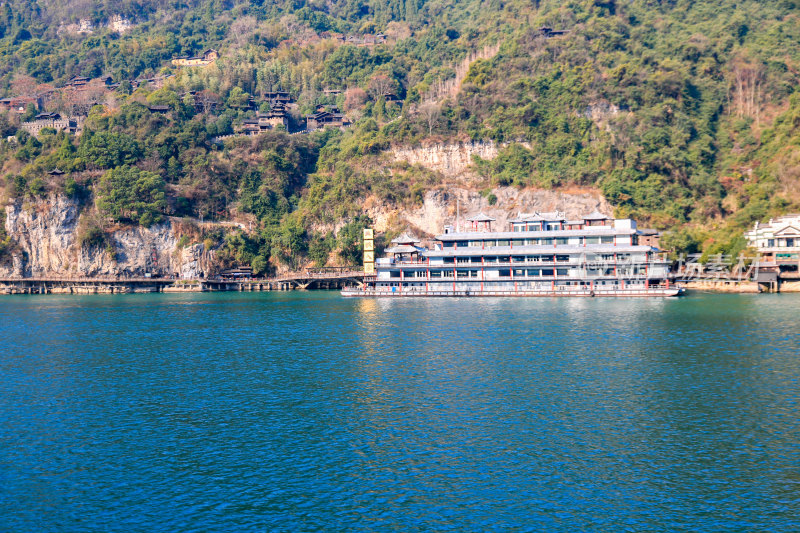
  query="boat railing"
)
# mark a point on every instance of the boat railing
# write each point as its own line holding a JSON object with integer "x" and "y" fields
{"x": 653, "y": 280}
{"x": 545, "y": 289}
{"x": 516, "y": 264}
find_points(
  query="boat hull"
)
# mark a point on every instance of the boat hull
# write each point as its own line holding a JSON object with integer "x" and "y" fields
{"x": 618, "y": 293}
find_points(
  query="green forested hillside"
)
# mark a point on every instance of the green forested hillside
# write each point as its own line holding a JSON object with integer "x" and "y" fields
{"x": 685, "y": 114}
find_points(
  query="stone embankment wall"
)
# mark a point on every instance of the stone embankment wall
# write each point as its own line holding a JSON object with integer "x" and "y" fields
{"x": 722, "y": 286}
{"x": 47, "y": 244}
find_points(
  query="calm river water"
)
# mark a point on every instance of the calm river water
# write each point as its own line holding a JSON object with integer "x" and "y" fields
{"x": 306, "y": 411}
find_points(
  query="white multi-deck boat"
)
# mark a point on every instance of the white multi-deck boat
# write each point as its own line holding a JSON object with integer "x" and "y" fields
{"x": 542, "y": 254}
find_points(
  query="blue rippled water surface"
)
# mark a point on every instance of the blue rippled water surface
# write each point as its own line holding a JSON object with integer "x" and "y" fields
{"x": 309, "y": 412}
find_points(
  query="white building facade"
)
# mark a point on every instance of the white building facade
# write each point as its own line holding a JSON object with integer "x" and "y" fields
{"x": 778, "y": 240}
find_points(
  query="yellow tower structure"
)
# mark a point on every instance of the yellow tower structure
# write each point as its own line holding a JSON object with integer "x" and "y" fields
{"x": 369, "y": 251}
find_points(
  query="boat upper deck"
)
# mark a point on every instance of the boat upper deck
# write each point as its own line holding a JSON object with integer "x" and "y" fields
{"x": 539, "y": 249}
{"x": 591, "y": 230}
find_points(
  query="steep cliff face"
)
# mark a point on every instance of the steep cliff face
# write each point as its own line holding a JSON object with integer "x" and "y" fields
{"x": 46, "y": 241}
{"x": 452, "y": 159}
{"x": 47, "y": 244}
{"x": 443, "y": 206}
{"x": 44, "y": 233}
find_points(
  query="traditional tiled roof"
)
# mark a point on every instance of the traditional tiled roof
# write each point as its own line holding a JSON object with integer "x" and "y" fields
{"x": 480, "y": 217}
{"x": 536, "y": 216}
{"x": 403, "y": 249}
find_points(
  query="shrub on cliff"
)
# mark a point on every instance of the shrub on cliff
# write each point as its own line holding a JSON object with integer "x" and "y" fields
{"x": 91, "y": 233}
{"x": 128, "y": 194}
{"x": 5, "y": 240}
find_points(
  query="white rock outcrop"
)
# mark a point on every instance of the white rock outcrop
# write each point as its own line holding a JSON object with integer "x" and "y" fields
{"x": 46, "y": 240}
{"x": 451, "y": 159}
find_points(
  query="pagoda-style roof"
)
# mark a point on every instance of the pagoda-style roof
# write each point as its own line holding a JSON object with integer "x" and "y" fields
{"x": 56, "y": 172}
{"x": 405, "y": 238}
{"x": 596, "y": 216}
{"x": 403, "y": 249}
{"x": 527, "y": 217}
{"x": 481, "y": 217}
{"x": 47, "y": 116}
{"x": 555, "y": 216}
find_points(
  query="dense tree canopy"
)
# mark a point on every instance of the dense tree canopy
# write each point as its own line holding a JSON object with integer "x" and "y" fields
{"x": 127, "y": 193}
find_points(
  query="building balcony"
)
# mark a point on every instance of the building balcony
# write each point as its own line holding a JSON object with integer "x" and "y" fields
{"x": 779, "y": 249}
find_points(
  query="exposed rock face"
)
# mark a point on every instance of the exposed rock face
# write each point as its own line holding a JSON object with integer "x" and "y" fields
{"x": 440, "y": 206}
{"x": 601, "y": 110}
{"x": 449, "y": 159}
{"x": 191, "y": 262}
{"x": 136, "y": 251}
{"x": 604, "y": 113}
{"x": 46, "y": 233}
{"x": 453, "y": 160}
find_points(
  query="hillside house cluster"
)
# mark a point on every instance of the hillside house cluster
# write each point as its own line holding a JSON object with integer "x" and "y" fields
{"x": 53, "y": 120}
{"x": 279, "y": 98}
{"x": 206, "y": 58}
{"x": 77, "y": 82}
{"x": 16, "y": 105}
{"x": 326, "y": 118}
{"x": 264, "y": 122}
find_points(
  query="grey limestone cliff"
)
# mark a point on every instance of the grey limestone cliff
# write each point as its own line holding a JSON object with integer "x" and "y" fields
{"x": 46, "y": 243}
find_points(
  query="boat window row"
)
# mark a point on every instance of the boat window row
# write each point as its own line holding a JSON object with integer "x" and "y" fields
{"x": 542, "y": 226}
{"x": 547, "y": 241}
{"x": 518, "y": 273}
{"x": 521, "y": 285}
{"x": 557, "y": 225}
{"x": 542, "y": 258}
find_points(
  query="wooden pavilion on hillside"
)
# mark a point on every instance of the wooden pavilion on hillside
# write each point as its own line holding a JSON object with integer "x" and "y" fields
{"x": 481, "y": 222}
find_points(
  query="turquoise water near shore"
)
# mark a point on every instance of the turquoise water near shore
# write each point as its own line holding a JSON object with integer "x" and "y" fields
{"x": 306, "y": 412}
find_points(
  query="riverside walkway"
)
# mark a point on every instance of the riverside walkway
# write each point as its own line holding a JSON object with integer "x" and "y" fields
{"x": 315, "y": 278}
